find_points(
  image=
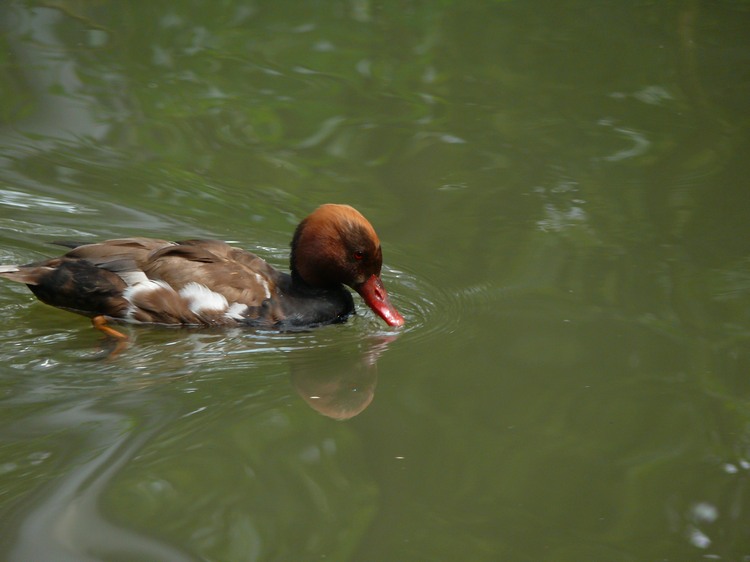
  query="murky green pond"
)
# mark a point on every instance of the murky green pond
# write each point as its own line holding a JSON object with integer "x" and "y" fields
{"x": 561, "y": 191}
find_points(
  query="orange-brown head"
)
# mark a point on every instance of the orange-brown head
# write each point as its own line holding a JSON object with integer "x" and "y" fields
{"x": 335, "y": 244}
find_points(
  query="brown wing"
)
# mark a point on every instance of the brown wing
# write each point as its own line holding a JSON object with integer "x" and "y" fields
{"x": 104, "y": 253}
{"x": 242, "y": 277}
{"x": 237, "y": 274}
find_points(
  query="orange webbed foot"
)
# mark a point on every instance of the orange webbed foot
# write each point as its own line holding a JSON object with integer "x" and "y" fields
{"x": 120, "y": 339}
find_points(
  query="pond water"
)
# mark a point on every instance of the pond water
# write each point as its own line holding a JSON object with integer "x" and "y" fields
{"x": 561, "y": 192}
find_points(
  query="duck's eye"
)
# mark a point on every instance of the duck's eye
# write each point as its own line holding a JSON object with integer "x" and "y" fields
{"x": 359, "y": 255}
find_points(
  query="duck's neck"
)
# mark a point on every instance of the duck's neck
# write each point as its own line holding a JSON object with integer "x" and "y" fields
{"x": 304, "y": 305}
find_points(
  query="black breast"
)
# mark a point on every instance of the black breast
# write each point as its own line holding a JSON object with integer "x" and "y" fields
{"x": 303, "y": 307}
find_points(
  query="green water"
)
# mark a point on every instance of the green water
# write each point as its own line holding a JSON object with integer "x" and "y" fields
{"x": 561, "y": 191}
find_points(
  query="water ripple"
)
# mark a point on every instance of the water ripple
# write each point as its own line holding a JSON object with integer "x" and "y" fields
{"x": 428, "y": 309}
{"x": 431, "y": 309}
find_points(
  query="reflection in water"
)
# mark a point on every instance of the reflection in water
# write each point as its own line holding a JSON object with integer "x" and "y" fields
{"x": 60, "y": 110}
{"x": 640, "y": 144}
{"x": 339, "y": 385}
{"x": 66, "y": 524}
{"x": 129, "y": 458}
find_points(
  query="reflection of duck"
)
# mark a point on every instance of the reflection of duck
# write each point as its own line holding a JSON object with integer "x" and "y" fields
{"x": 207, "y": 282}
{"x": 339, "y": 385}
{"x": 338, "y": 394}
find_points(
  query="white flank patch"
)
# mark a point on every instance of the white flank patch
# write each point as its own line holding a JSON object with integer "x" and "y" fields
{"x": 236, "y": 311}
{"x": 147, "y": 285}
{"x": 266, "y": 291}
{"x": 134, "y": 277}
{"x": 200, "y": 298}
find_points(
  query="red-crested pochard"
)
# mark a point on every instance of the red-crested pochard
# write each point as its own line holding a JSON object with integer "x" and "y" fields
{"x": 210, "y": 283}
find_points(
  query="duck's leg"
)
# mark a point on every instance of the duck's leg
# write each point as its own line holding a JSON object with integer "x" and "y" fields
{"x": 121, "y": 340}
{"x": 100, "y": 323}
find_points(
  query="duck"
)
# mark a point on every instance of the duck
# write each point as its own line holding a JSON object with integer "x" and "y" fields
{"x": 212, "y": 283}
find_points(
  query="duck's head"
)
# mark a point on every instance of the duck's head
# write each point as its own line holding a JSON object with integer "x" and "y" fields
{"x": 336, "y": 245}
